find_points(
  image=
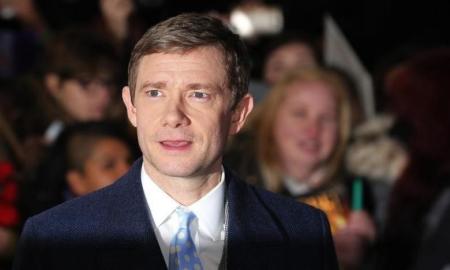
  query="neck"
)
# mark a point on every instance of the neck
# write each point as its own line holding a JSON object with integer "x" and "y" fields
{"x": 185, "y": 190}
{"x": 311, "y": 177}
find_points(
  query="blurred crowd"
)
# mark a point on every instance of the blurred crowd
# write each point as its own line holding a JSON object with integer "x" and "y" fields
{"x": 383, "y": 181}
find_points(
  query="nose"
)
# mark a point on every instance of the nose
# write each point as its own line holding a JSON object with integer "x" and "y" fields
{"x": 312, "y": 128}
{"x": 175, "y": 114}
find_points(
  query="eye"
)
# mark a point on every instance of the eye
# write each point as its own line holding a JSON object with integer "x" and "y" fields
{"x": 299, "y": 113}
{"x": 329, "y": 118}
{"x": 109, "y": 164}
{"x": 153, "y": 93}
{"x": 200, "y": 95}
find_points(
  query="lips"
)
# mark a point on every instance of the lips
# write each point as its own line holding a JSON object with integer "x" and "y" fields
{"x": 309, "y": 146}
{"x": 176, "y": 144}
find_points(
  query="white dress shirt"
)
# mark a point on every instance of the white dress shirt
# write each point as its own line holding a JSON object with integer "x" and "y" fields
{"x": 207, "y": 230}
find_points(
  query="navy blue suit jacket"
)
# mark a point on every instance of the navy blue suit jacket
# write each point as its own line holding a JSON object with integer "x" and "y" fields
{"x": 111, "y": 229}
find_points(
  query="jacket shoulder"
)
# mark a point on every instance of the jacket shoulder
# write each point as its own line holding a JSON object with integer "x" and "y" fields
{"x": 301, "y": 232}
{"x": 288, "y": 208}
{"x": 93, "y": 210}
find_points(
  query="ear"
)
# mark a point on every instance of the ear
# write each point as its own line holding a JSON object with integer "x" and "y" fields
{"x": 240, "y": 114}
{"x": 131, "y": 109}
{"x": 52, "y": 84}
{"x": 76, "y": 182}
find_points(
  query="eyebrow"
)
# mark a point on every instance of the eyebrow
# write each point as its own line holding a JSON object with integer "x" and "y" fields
{"x": 157, "y": 85}
{"x": 196, "y": 86}
{"x": 191, "y": 86}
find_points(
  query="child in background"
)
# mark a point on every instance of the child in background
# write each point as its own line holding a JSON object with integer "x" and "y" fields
{"x": 294, "y": 144}
{"x": 86, "y": 157}
{"x": 95, "y": 158}
{"x": 78, "y": 81}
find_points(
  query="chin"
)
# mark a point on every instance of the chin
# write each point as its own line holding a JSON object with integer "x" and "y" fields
{"x": 308, "y": 162}
{"x": 176, "y": 171}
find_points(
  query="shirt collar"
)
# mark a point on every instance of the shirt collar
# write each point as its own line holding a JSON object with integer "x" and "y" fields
{"x": 210, "y": 209}
{"x": 161, "y": 205}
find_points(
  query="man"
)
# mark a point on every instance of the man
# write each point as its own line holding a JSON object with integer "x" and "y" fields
{"x": 177, "y": 206}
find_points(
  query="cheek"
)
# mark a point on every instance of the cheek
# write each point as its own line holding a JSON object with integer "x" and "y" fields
{"x": 74, "y": 94}
{"x": 284, "y": 133}
{"x": 99, "y": 178}
{"x": 329, "y": 140}
{"x": 145, "y": 122}
{"x": 75, "y": 103}
{"x": 215, "y": 130}
{"x": 285, "y": 136}
{"x": 286, "y": 127}
{"x": 102, "y": 101}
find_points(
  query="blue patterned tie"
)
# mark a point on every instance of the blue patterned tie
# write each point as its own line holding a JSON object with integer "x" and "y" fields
{"x": 183, "y": 254}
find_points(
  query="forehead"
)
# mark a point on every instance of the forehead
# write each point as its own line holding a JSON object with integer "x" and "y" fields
{"x": 107, "y": 146}
{"x": 293, "y": 48}
{"x": 318, "y": 91}
{"x": 200, "y": 64}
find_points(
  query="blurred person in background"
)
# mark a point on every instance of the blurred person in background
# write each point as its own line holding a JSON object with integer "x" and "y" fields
{"x": 87, "y": 156}
{"x": 78, "y": 80}
{"x": 294, "y": 145}
{"x": 285, "y": 52}
{"x": 120, "y": 21}
{"x": 22, "y": 33}
{"x": 416, "y": 235}
{"x": 97, "y": 155}
{"x": 377, "y": 151}
{"x": 20, "y": 121}
{"x": 9, "y": 214}
{"x": 77, "y": 84}
{"x": 11, "y": 161}
{"x": 288, "y": 52}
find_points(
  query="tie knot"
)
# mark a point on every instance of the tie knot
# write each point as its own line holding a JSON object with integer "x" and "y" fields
{"x": 185, "y": 217}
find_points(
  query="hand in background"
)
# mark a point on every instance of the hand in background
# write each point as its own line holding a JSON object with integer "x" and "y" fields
{"x": 7, "y": 242}
{"x": 352, "y": 241}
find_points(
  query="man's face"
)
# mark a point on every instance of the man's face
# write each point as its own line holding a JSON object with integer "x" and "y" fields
{"x": 182, "y": 113}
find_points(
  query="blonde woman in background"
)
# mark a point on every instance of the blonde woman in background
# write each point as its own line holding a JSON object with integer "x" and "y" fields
{"x": 294, "y": 145}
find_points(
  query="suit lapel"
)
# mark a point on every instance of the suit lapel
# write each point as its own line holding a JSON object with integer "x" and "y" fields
{"x": 135, "y": 242}
{"x": 255, "y": 239}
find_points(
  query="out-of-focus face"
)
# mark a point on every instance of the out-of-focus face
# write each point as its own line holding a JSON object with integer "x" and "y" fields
{"x": 182, "y": 113}
{"x": 285, "y": 58}
{"x": 109, "y": 159}
{"x": 305, "y": 128}
{"x": 84, "y": 101}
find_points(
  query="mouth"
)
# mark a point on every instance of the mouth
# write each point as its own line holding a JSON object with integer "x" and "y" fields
{"x": 175, "y": 145}
{"x": 309, "y": 146}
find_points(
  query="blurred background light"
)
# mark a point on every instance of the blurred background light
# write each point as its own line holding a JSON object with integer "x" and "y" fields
{"x": 256, "y": 20}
